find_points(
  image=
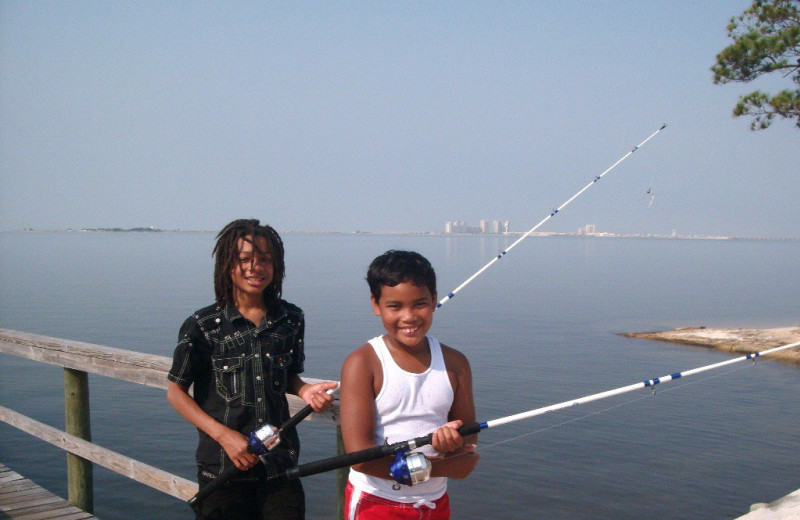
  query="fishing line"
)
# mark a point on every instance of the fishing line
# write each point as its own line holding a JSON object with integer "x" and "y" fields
{"x": 558, "y": 425}
{"x": 500, "y": 255}
{"x": 619, "y": 405}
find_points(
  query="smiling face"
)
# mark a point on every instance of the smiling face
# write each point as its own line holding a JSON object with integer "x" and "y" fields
{"x": 252, "y": 271}
{"x": 406, "y": 311}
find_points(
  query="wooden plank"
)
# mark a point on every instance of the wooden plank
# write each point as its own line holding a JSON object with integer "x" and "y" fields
{"x": 163, "y": 481}
{"x": 23, "y": 499}
{"x": 36, "y": 503}
{"x": 20, "y": 495}
{"x": 62, "y": 512}
{"x": 8, "y": 477}
{"x": 127, "y": 365}
{"x": 15, "y": 486}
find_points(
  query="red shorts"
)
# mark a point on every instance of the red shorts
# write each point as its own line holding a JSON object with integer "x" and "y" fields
{"x": 363, "y": 506}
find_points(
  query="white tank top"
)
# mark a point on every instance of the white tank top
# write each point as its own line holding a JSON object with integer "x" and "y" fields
{"x": 408, "y": 405}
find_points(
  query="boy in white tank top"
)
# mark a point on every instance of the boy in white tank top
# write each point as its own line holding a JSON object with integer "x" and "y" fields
{"x": 402, "y": 385}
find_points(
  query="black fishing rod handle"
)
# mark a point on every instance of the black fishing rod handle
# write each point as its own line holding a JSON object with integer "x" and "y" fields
{"x": 296, "y": 418}
{"x": 340, "y": 461}
{"x": 470, "y": 429}
{"x": 212, "y": 486}
{"x": 467, "y": 429}
{"x": 376, "y": 452}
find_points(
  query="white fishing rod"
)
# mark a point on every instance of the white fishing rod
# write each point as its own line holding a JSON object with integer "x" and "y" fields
{"x": 401, "y": 449}
{"x": 500, "y": 255}
{"x": 630, "y": 388}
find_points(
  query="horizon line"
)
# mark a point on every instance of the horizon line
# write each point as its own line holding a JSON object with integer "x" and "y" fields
{"x": 600, "y": 234}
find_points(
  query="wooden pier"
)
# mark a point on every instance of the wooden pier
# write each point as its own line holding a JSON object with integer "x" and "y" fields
{"x": 78, "y": 360}
{"x": 24, "y": 499}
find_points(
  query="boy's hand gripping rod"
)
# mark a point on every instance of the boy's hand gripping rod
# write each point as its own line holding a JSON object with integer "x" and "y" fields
{"x": 260, "y": 442}
{"x": 377, "y": 452}
{"x": 452, "y": 293}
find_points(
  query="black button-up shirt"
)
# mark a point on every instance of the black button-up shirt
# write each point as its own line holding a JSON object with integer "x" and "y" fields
{"x": 240, "y": 371}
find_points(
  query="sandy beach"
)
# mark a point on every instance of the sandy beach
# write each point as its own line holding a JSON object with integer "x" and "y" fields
{"x": 737, "y": 341}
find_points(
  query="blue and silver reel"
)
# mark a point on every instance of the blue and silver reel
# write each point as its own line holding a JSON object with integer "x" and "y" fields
{"x": 263, "y": 440}
{"x": 410, "y": 468}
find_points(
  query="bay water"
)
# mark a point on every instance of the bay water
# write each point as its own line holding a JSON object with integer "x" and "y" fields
{"x": 539, "y": 327}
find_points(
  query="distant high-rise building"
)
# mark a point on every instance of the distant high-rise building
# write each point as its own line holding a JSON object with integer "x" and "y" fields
{"x": 505, "y": 226}
{"x": 499, "y": 226}
{"x": 485, "y": 226}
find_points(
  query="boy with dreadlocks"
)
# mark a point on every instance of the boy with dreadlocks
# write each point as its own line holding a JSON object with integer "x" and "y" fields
{"x": 242, "y": 354}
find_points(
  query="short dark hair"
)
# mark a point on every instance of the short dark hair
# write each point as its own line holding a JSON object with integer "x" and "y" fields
{"x": 395, "y": 267}
{"x": 226, "y": 252}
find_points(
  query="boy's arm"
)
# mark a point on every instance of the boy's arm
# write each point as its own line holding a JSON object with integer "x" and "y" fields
{"x": 457, "y": 463}
{"x": 233, "y": 442}
{"x": 357, "y": 408}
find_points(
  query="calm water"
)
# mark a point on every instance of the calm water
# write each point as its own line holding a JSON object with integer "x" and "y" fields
{"x": 539, "y": 327}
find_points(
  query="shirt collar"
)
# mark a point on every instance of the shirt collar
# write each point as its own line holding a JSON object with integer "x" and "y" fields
{"x": 274, "y": 314}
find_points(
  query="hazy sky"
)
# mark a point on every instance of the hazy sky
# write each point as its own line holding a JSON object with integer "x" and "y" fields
{"x": 383, "y": 116}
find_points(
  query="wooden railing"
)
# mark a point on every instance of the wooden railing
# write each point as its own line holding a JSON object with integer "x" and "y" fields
{"x": 78, "y": 360}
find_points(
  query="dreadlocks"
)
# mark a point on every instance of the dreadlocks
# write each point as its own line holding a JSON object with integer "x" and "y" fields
{"x": 226, "y": 258}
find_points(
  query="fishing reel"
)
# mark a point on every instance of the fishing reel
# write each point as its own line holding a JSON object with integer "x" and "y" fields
{"x": 263, "y": 440}
{"x": 410, "y": 468}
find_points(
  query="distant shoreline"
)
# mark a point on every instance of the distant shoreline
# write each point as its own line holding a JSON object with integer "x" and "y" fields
{"x": 672, "y": 236}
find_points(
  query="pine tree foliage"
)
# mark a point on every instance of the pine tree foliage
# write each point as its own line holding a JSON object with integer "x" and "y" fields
{"x": 766, "y": 38}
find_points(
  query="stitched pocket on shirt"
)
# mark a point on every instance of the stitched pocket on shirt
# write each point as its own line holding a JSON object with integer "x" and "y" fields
{"x": 279, "y": 365}
{"x": 228, "y": 373}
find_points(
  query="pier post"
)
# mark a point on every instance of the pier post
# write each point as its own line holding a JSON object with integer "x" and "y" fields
{"x": 80, "y": 486}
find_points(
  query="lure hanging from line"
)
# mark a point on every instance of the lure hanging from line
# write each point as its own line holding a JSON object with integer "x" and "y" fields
{"x": 377, "y": 452}
{"x": 452, "y": 293}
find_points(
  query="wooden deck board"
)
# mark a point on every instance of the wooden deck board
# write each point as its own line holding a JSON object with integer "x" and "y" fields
{"x": 23, "y": 499}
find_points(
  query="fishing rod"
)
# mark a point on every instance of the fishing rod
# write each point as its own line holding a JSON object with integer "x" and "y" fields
{"x": 401, "y": 449}
{"x": 260, "y": 442}
{"x": 500, "y": 255}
